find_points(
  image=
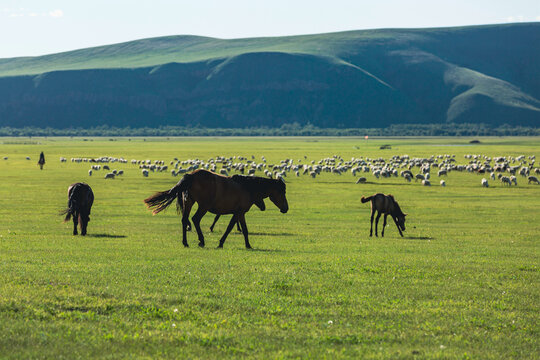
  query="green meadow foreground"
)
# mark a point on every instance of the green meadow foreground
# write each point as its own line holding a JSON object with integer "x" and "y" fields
{"x": 462, "y": 283}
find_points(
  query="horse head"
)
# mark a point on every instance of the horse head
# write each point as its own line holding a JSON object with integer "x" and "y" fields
{"x": 277, "y": 196}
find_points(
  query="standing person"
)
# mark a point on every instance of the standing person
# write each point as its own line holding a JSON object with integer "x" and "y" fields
{"x": 41, "y": 161}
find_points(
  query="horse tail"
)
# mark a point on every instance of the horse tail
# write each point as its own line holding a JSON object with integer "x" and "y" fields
{"x": 73, "y": 205}
{"x": 366, "y": 199}
{"x": 162, "y": 199}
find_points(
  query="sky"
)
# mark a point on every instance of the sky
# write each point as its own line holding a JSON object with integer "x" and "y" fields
{"x": 38, "y": 27}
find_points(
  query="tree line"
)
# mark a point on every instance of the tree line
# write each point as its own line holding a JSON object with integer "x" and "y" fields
{"x": 293, "y": 129}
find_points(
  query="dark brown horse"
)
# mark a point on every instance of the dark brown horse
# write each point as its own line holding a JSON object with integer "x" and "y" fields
{"x": 80, "y": 200}
{"x": 387, "y": 205}
{"x": 219, "y": 195}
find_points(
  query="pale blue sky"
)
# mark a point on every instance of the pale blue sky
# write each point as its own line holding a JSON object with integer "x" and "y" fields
{"x": 36, "y": 27}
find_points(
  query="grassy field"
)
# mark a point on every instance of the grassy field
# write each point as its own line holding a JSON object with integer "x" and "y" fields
{"x": 463, "y": 282}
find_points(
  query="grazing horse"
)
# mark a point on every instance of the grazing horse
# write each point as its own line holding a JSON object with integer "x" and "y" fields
{"x": 387, "y": 205}
{"x": 41, "y": 160}
{"x": 80, "y": 200}
{"x": 220, "y": 195}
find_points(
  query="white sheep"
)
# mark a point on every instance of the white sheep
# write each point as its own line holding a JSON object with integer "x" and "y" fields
{"x": 485, "y": 182}
{"x": 426, "y": 182}
{"x": 90, "y": 172}
{"x": 109, "y": 175}
{"x": 443, "y": 183}
{"x": 533, "y": 179}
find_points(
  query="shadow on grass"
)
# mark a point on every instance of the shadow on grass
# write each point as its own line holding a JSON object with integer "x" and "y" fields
{"x": 109, "y": 236}
{"x": 419, "y": 237}
{"x": 269, "y": 234}
{"x": 266, "y": 250}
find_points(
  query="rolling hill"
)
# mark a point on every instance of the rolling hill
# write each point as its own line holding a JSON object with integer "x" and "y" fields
{"x": 373, "y": 78}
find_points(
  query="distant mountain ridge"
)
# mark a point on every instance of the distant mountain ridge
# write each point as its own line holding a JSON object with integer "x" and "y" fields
{"x": 373, "y": 78}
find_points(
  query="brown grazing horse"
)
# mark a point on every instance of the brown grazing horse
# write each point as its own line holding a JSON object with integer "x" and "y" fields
{"x": 219, "y": 195}
{"x": 387, "y": 205}
{"x": 80, "y": 200}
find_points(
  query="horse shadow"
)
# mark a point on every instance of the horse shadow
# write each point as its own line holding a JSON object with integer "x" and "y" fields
{"x": 270, "y": 234}
{"x": 108, "y": 236}
{"x": 419, "y": 237}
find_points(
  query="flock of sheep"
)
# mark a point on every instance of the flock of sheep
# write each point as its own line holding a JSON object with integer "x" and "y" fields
{"x": 502, "y": 168}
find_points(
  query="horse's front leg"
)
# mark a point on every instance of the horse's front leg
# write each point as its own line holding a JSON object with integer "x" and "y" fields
{"x": 242, "y": 221}
{"x": 75, "y": 223}
{"x": 384, "y": 224}
{"x": 214, "y": 223}
{"x": 395, "y": 221}
{"x": 377, "y": 222}
{"x": 197, "y": 222}
{"x": 233, "y": 221}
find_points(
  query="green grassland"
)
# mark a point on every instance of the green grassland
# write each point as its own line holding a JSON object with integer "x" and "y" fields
{"x": 462, "y": 283}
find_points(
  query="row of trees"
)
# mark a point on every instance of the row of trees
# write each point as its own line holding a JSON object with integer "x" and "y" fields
{"x": 285, "y": 130}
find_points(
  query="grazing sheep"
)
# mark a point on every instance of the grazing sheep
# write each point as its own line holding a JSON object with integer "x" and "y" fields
{"x": 485, "y": 182}
{"x": 361, "y": 180}
{"x": 408, "y": 177}
{"x": 443, "y": 183}
{"x": 28, "y": 158}
{"x": 426, "y": 182}
{"x": 442, "y": 172}
{"x": 513, "y": 179}
{"x": 90, "y": 172}
{"x": 145, "y": 172}
{"x": 419, "y": 177}
{"x": 109, "y": 175}
{"x": 492, "y": 175}
{"x": 506, "y": 180}
{"x": 533, "y": 179}
{"x": 223, "y": 172}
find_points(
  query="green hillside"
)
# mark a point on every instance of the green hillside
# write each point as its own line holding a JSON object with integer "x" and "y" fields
{"x": 373, "y": 78}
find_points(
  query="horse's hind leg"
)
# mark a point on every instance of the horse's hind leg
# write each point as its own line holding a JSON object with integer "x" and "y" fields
{"x": 197, "y": 222}
{"x": 377, "y": 222}
{"x": 371, "y": 227}
{"x": 75, "y": 223}
{"x": 233, "y": 221}
{"x": 84, "y": 224}
{"x": 384, "y": 224}
{"x": 185, "y": 221}
{"x": 242, "y": 221}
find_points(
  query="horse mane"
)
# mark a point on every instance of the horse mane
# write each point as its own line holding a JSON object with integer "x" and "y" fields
{"x": 257, "y": 184}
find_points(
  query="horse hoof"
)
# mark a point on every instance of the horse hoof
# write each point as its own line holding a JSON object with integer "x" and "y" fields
{"x": 201, "y": 244}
